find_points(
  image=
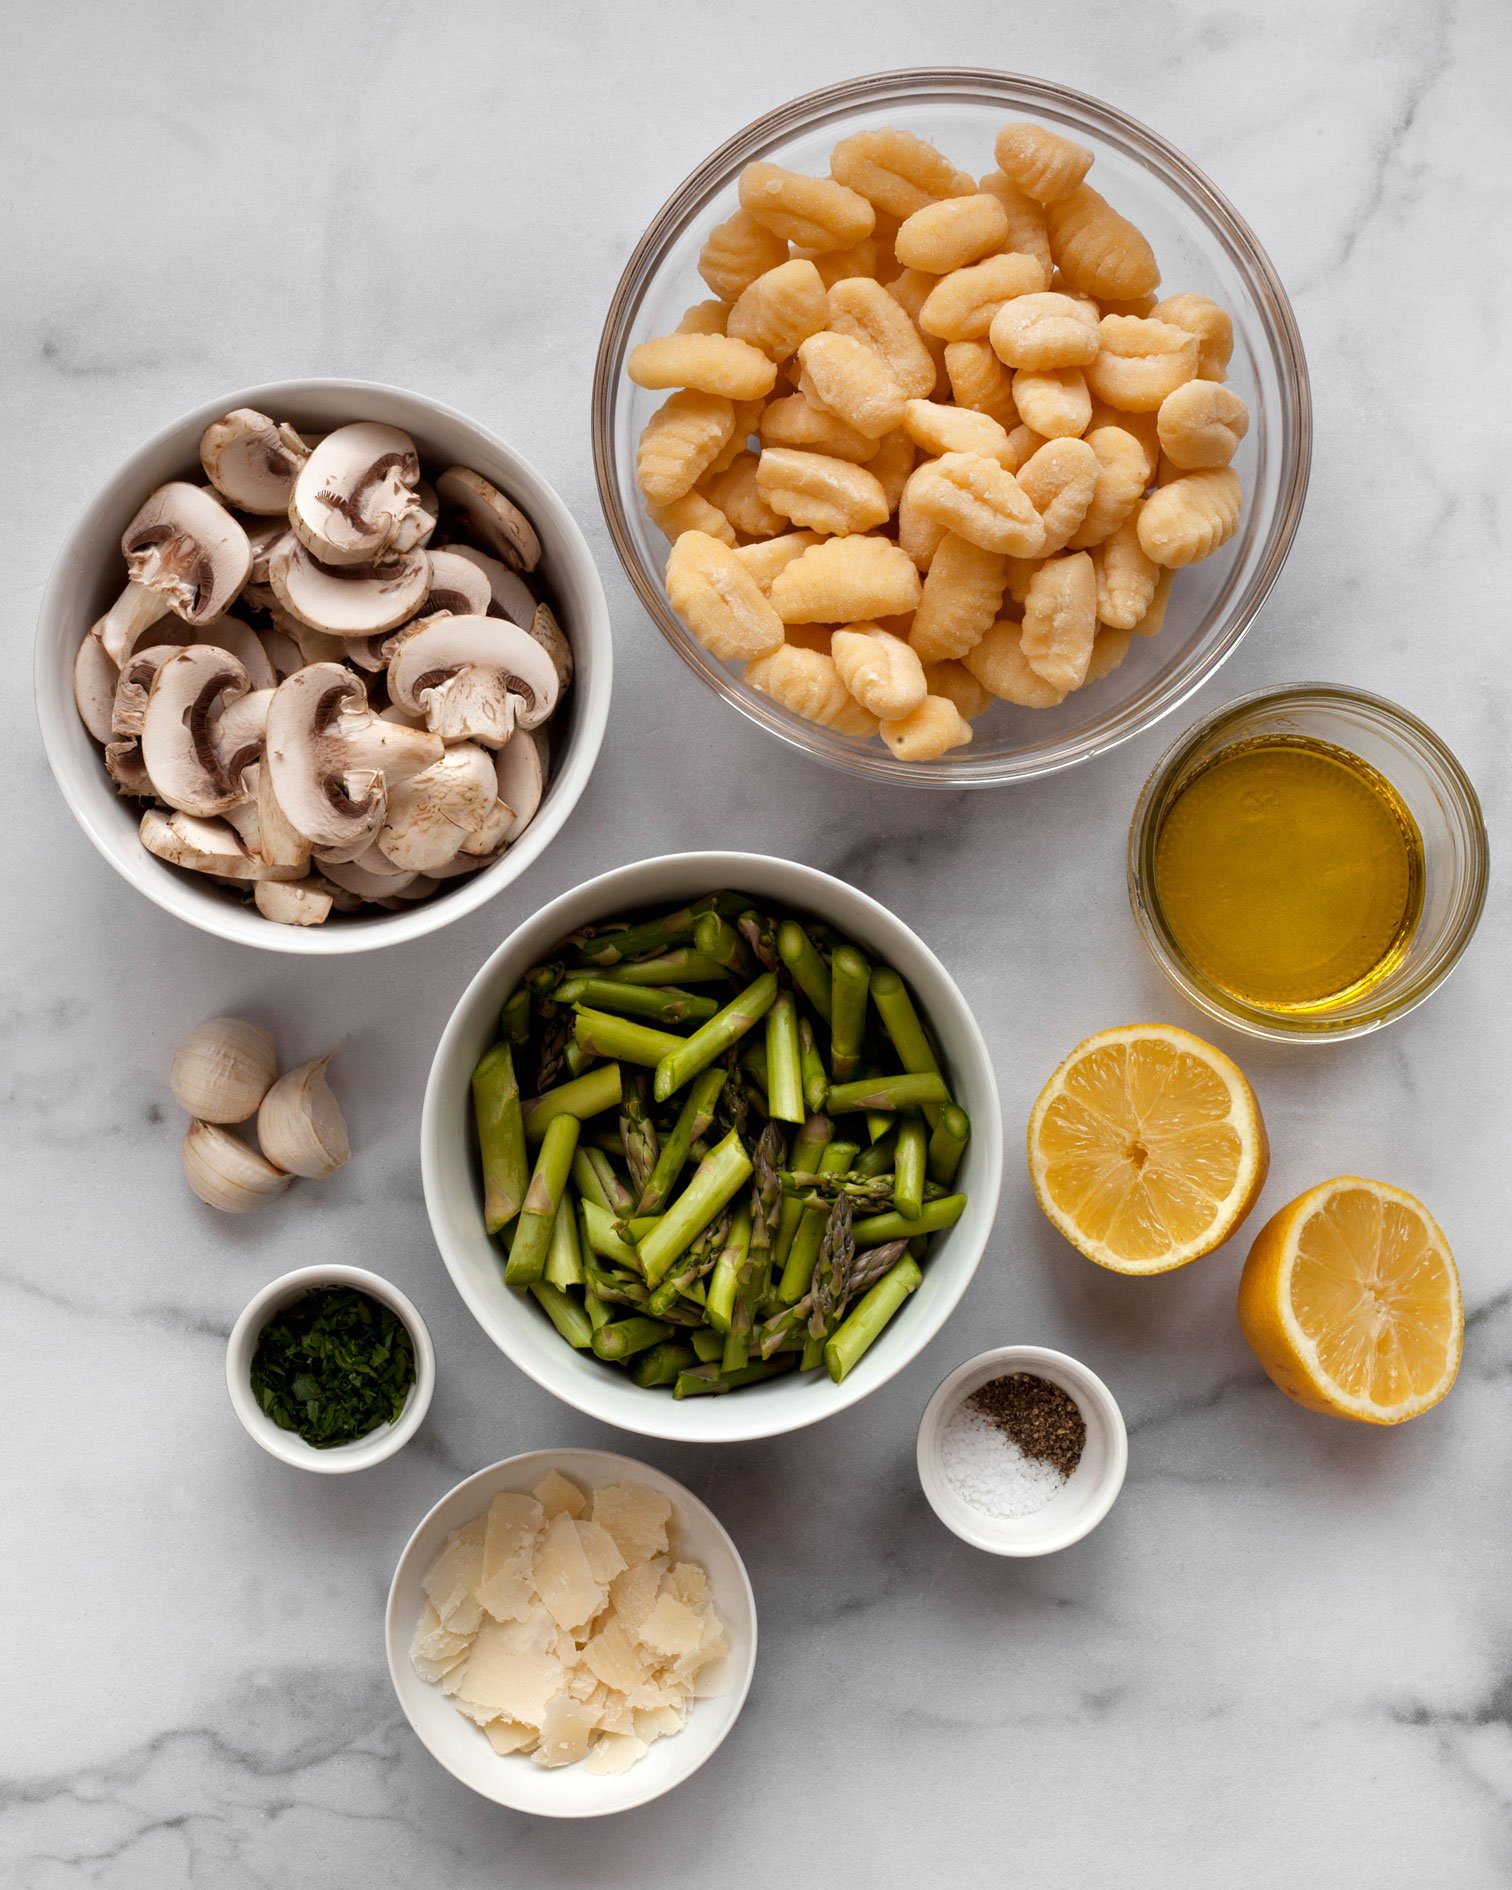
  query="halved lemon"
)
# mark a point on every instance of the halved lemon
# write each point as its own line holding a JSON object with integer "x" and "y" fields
{"x": 1350, "y": 1299}
{"x": 1147, "y": 1148}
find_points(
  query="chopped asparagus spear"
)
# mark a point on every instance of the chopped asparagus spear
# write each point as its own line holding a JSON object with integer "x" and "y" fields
{"x": 619, "y": 1037}
{"x": 637, "y": 1132}
{"x": 584, "y": 1096}
{"x": 682, "y": 965}
{"x": 908, "y": 1168}
{"x": 804, "y": 1251}
{"x": 662, "y": 1364}
{"x": 934, "y": 1216}
{"x": 569, "y": 1318}
{"x": 784, "y": 1065}
{"x": 878, "y": 1159}
{"x": 901, "y": 1021}
{"x": 564, "y": 1257}
{"x": 681, "y": 1062}
{"x": 501, "y": 1136}
{"x": 604, "y": 1239}
{"x": 666, "y": 1003}
{"x": 807, "y": 969}
{"x": 888, "y": 1092}
{"x": 594, "y": 1176}
{"x": 723, "y": 944}
{"x": 514, "y": 1019}
{"x": 815, "y": 1076}
{"x": 635, "y": 941}
{"x": 724, "y": 1281}
{"x": 703, "y": 1380}
{"x": 694, "y": 1120}
{"x": 850, "y": 975}
{"x": 716, "y": 1180}
{"x": 625, "y": 1337}
{"x": 864, "y": 1326}
{"x": 948, "y": 1144}
{"x": 808, "y": 1145}
{"x": 548, "y": 1186}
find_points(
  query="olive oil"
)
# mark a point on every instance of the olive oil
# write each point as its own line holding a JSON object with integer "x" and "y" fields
{"x": 1290, "y": 873}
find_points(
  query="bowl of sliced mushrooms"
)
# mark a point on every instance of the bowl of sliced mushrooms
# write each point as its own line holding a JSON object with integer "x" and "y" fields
{"x": 325, "y": 666}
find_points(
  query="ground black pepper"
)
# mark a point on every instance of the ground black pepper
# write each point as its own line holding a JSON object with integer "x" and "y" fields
{"x": 1039, "y": 1417}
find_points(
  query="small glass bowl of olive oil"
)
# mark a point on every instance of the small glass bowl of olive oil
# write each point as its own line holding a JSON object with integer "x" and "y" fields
{"x": 1309, "y": 863}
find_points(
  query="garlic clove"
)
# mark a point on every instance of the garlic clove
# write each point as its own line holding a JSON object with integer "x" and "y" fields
{"x": 223, "y": 1069}
{"x": 225, "y": 1172}
{"x": 300, "y": 1124}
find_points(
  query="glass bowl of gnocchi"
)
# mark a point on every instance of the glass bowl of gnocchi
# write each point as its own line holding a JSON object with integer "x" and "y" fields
{"x": 951, "y": 425}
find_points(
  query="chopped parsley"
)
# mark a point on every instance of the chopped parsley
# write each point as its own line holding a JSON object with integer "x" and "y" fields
{"x": 333, "y": 1366}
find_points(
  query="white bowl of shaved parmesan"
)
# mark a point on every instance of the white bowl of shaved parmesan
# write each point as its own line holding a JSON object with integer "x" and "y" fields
{"x": 571, "y": 1633}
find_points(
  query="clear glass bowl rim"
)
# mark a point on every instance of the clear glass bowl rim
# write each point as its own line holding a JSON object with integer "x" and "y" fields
{"x": 1176, "y": 171}
{"x": 1141, "y": 880}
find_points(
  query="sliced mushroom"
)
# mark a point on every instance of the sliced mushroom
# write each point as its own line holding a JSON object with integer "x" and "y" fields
{"x": 124, "y": 765}
{"x": 95, "y": 675}
{"x": 244, "y": 643}
{"x": 520, "y": 777}
{"x": 434, "y": 814}
{"x": 552, "y": 638}
{"x": 465, "y": 863}
{"x": 178, "y": 740}
{"x": 473, "y": 678}
{"x": 206, "y": 846}
{"x": 372, "y": 875}
{"x": 354, "y": 499}
{"x": 491, "y": 521}
{"x": 457, "y": 585}
{"x": 332, "y": 760}
{"x": 292, "y": 904}
{"x": 367, "y": 653}
{"x": 283, "y": 652}
{"x": 128, "y": 711}
{"x": 281, "y": 842}
{"x": 341, "y": 900}
{"x": 251, "y": 461}
{"x": 184, "y": 553}
{"x": 357, "y": 600}
{"x": 512, "y": 596}
{"x": 237, "y": 733}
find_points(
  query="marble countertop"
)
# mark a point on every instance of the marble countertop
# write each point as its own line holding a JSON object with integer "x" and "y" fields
{"x": 1287, "y": 1655}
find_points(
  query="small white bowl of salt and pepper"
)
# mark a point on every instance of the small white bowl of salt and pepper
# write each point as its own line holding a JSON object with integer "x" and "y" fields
{"x": 1022, "y": 1451}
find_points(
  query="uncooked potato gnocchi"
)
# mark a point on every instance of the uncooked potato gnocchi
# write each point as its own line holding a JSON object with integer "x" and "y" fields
{"x": 922, "y": 406}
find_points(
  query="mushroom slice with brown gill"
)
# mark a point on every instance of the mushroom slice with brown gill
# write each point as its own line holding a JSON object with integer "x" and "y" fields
{"x": 206, "y": 846}
{"x": 473, "y": 678}
{"x": 354, "y": 500}
{"x": 184, "y": 553}
{"x": 512, "y": 596}
{"x": 433, "y": 815}
{"x": 264, "y": 536}
{"x": 493, "y": 523}
{"x": 331, "y": 761}
{"x": 244, "y": 643}
{"x": 457, "y": 586}
{"x": 252, "y": 461}
{"x": 237, "y": 733}
{"x": 544, "y": 627}
{"x": 178, "y": 729}
{"x": 356, "y": 600}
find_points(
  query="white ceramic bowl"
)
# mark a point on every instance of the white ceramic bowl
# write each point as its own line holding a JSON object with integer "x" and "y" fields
{"x": 288, "y": 1445}
{"x": 453, "y": 1194}
{"x": 569, "y": 1791}
{"x": 90, "y": 573}
{"x": 1089, "y": 1491}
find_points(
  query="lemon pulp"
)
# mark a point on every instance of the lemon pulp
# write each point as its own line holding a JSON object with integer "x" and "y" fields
{"x": 1290, "y": 873}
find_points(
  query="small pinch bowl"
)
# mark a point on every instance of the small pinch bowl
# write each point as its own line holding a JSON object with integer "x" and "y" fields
{"x": 90, "y": 573}
{"x": 453, "y": 1193}
{"x": 568, "y": 1791}
{"x": 1203, "y": 244}
{"x": 288, "y": 1446}
{"x": 1091, "y": 1489}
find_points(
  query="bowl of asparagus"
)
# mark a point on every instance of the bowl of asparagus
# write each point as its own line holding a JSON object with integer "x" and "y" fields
{"x": 712, "y": 1124}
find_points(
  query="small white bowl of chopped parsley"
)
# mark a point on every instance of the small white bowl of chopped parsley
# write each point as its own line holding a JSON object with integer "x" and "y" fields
{"x": 331, "y": 1369}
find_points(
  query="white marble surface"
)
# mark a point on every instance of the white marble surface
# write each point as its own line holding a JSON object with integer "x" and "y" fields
{"x": 1287, "y": 1656}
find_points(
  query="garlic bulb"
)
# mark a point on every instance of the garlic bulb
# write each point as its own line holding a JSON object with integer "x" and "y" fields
{"x": 300, "y": 1124}
{"x": 223, "y": 1069}
{"x": 225, "y": 1173}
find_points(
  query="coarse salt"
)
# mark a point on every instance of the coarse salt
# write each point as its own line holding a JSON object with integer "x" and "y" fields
{"x": 988, "y": 1470}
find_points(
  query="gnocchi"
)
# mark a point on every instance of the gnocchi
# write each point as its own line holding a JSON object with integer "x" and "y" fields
{"x": 918, "y": 405}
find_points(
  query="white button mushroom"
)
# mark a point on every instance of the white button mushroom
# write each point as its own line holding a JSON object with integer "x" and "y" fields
{"x": 354, "y": 501}
{"x": 511, "y": 596}
{"x": 473, "y": 678}
{"x": 520, "y": 770}
{"x": 494, "y": 523}
{"x": 433, "y": 815}
{"x": 184, "y": 553}
{"x": 251, "y": 461}
{"x": 178, "y": 739}
{"x": 371, "y": 875}
{"x": 294, "y": 903}
{"x": 353, "y": 601}
{"x": 331, "y": 760}
{"x": 206, "y": 846}
{"x": 95, "y": 676}
{"x": 457, "y": 585}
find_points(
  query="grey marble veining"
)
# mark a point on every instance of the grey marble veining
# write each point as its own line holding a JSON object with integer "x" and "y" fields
{"x": 1287, "y": 1655}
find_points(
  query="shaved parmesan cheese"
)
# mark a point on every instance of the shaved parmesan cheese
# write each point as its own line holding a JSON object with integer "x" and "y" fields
{"x": 565, "y": 1731}
{"x": 556, "y": 1494}
{"x": 601, "y": 1550}
{"x": 562, "y": 1577}
{"x": 615, "y": 1752}
{"x": 636, "y": 1517}
{"x": 671, "y": 1628}
{"x": 713, "y": 1680}
{"x": 453, "y": 1578}
{"x": 570, "y": 1636}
